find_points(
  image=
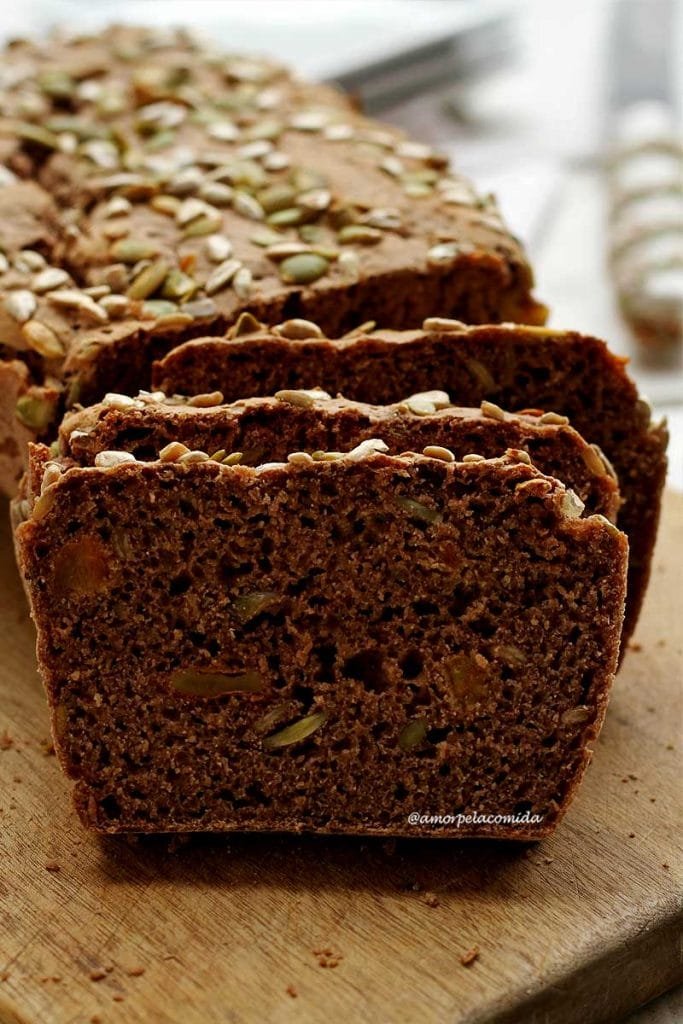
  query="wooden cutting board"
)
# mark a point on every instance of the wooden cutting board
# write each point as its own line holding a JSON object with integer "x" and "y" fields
{"x": 581, "y": 928}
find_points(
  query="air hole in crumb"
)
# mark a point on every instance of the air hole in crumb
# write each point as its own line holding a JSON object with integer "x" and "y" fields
{"x": 549, "y": 741}
{"x": 400, "y": 792}
{"x": 411, "y": 664}
{"x": 304, "y": 694}
{"x": 368, "y": 668}
{"x": 111, "y": 807}
{"x": 180, "y": 585}
{"x": 425, "y": 608}
{"x": 326, "y": 655}
{"x": 586, "y": 684}
{"x": 438, "y": 735}
{"x": 522, "y": 807}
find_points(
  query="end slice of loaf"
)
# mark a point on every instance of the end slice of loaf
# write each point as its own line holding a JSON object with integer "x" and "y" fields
{"x": 329, "y": 646}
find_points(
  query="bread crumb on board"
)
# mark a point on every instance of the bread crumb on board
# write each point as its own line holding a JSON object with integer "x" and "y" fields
{"x": 327, "y": 957}
{"x": 53, "y": 866}
{"x": 6, "y": 741}
{"x": 468, "y": 958}
{"x": 292, "y": 991}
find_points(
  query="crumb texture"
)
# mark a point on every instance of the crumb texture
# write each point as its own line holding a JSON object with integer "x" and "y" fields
{"x": 322, "y": 646}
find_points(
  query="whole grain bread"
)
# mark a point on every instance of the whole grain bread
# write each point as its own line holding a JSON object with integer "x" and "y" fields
{"x": 519, "y": 368}
{"x": 367, "y": 644}
{"x": 152, "y": 189}
{"x": 258, "y": 430}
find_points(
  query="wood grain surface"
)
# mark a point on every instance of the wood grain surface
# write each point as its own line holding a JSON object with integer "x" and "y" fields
{"x": 581, "y": 928}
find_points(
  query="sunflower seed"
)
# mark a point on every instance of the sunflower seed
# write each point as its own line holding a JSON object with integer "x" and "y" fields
{"x": 302, "y": 398}
{"x": 115, "y": 305}
{"x": 447, "y": 252}
{"x": 207, "y": 400}
{"x": 349, "y": 265}
{"x": 173, "y": 451}
{"x": 242, "y": 283}
{"x": 218, "y": 248}
{"x": 554, "y": 418}
{"x": 217, "y": 193}
{"x": 117, "y": 206}
{"x": 283, "y": 250}
{"x": 147, "y": 282}
{"x": 571, "y": 504}
{"x": 371, "y": 446}
{"x": 222, "y": 276}
{"x": 108, "y": 459}
{"x": 492, "y": 411}
{"x": 70, "y": 298}
{"x": 21, "y": 305}
{"x": 425, "y": 403}
{"x": 435, "y": 451}
{"x": 297, "y": 329}
{"x": 28, "y": 260}
{"x": 192, "y": 208}
{"x": 42, "y": 339}
{"x": 439, "y": 323}
{"x": 361, "y": 234}
{"x": 247, "y": 206}
{"x": 122, "y": 403}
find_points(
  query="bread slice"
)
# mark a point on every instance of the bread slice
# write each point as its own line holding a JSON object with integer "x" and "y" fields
{"x": 268, "y": 429}
{"x": 519, "y": 368}
{"x": 363, "y": 643}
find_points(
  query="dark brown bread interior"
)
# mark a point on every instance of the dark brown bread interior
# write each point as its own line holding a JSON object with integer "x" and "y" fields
{"x": 440, "y": 637}
{"x": 517, "y": 367}
{"x": 268, "y": 429}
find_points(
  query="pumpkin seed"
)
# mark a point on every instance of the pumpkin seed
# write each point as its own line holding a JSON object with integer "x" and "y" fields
{"x": 248, "y": 606}
{"x": 416, "y": 510}
{"x": 198, "y": 683}
{"x": 304, "y": 268}
{"x": 131, "y": 250}
{"x": 296, "y": 732}
{"x": 208, "y": 224}
{"x": 178, "y": 285}
{"x": 34, "y": 411}
{"x": 412, "y": 734}
{"x": 246, "y": 323}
